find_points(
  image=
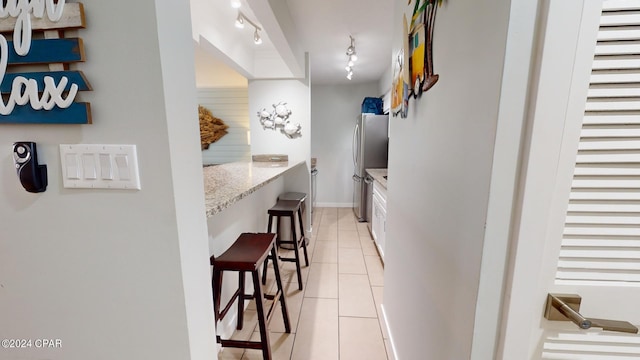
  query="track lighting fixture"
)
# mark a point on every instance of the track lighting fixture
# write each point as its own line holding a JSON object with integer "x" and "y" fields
{"x": 351, "y": 57}
{"x": 240, "y": 21}
{"x": 235, "y": 4}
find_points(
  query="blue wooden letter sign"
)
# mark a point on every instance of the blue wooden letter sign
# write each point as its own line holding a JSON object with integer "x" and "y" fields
{"x": 41, "y": 97}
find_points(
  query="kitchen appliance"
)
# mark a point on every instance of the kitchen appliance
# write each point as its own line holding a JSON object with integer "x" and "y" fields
{"x": 370, "y": 149}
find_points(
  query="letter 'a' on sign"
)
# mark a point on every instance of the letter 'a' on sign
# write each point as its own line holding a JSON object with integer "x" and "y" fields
{"x": 42, "y": 97}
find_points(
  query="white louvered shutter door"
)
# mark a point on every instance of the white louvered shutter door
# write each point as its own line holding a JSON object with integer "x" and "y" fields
{"x": 600, "y": 251}
{"x": 601, "y": 242}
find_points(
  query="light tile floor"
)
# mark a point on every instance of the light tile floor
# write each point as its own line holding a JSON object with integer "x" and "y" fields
{"x": 337, "y": 316}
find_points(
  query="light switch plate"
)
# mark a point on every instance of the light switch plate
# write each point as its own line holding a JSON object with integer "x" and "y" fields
{"x": 99, "y": 166}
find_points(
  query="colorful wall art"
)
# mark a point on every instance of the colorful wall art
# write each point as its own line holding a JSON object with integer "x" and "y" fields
{"x": 413, "y": 70}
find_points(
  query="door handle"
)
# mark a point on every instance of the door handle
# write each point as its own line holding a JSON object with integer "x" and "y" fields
{"x": 566, "y": 307}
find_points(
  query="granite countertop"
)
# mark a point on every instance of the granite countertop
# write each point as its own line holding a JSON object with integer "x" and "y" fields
{"x": 226, "y": 184}
{"x": 377, "y": 175}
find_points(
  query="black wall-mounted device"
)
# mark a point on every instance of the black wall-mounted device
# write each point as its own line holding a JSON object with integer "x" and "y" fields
{"x": 33, "y": 177}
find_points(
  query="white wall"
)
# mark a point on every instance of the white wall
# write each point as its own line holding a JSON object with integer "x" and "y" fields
{"x": 115, "y": 274}
{"x": 212, "y": 72}
{"x": 231, "y": 105}
{"x": 334, "y": 109}
{"x": 440, "y": 170}
{"x": 296, "y": 93}
{"x": 384, "y": 85}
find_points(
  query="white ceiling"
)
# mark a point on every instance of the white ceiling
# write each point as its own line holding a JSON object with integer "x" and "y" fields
{"x": 321, "y": 28}
{"x": 324, "y": 27}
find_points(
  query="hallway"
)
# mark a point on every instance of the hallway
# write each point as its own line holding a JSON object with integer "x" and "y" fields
{"x": 338, "y": 314}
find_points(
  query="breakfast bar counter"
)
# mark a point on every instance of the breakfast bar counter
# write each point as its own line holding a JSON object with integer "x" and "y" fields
{"x": 237, "y": 197}
{"x": 227, "y": 184}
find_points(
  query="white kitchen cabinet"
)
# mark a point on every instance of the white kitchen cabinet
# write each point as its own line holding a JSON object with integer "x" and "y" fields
{"x": 379, "y": 217}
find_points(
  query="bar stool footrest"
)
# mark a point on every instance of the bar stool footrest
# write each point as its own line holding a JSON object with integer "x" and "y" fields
{"x": 288, "y": 245}
{"x": 240, "y": 344}
{"x": 274, "y": 298}
{"x": 230, "y": 303}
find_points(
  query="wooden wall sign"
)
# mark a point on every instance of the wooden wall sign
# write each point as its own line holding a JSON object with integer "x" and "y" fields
{"x": 41, "y": 97}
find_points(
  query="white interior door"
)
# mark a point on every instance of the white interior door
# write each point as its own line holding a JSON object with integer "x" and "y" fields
{"x": 579, "y": 216}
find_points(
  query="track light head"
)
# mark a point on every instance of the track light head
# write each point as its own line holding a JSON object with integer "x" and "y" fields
{"x": 256, "y": 37}
{"x": 240, "y": 21}
{"x": 351, "y": 50}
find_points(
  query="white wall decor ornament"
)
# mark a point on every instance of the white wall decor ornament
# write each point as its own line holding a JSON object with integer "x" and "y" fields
{"x": 278, "y": 118}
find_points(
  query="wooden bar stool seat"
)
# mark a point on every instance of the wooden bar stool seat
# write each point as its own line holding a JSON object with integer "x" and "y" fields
{"x": 288, "y": 209}
{"x": 298, "y": 196}
{"x": 247, "y": 254}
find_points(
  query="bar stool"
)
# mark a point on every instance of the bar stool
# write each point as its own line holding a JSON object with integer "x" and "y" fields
{"x": 247, "y": 254}
{"x": 298, "y": 196}
{"x": 288, "y": 208}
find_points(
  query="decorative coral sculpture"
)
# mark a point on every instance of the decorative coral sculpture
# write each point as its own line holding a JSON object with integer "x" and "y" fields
{"x": 278, "y": 118}
{"x": 281, "y": 110}
{"x": 266, "y": 119}
{"x": 292, "y": 130}
{"x": 211, "y": 128}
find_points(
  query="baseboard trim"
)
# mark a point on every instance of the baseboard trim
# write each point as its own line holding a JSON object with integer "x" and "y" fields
{"x": 392, "y": 353}
{"x": 334, "y": 205}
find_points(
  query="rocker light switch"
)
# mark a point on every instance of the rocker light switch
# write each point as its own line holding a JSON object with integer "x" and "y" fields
{"x": 122, "y": 163}
{"x": 73, "y": 168}
{"x": 95, "y": 166}
{"x": 106, "y": 172}
{"x": 89, "y": 166}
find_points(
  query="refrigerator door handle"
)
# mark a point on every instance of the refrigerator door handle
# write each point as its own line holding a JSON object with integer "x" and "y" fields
{"x": 355, "y": 148}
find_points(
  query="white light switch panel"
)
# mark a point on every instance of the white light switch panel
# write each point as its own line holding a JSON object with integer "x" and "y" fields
{"x": 93, "y": 166}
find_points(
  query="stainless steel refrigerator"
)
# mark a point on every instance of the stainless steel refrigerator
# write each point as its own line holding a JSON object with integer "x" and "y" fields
{"x": 370, "y": 151}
